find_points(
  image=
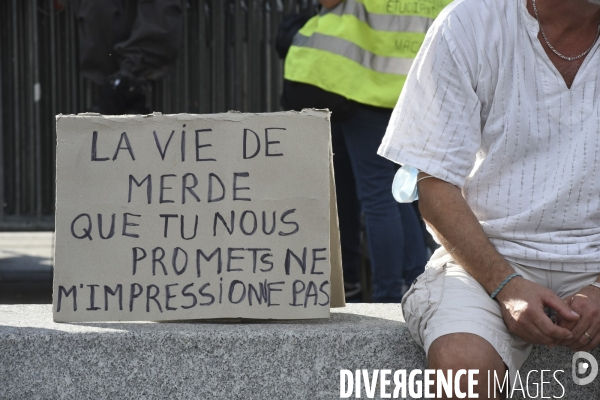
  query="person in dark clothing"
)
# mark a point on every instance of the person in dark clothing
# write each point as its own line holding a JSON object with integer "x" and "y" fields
{"x": 125, "y": 44}
{"x": 358, "y": 73}
{"x": 296, "y": 96}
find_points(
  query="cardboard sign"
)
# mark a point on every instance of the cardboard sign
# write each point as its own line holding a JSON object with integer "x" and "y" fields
{"x": 195, "y": 216}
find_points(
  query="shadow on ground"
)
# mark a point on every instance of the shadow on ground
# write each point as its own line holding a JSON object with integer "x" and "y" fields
{"x": 25, "y": 279}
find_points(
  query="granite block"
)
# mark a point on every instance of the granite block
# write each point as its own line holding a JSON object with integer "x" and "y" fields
{"x": 40, "y": 359}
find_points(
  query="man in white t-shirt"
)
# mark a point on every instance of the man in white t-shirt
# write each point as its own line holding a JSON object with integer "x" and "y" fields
{"x": 502, "y": 110}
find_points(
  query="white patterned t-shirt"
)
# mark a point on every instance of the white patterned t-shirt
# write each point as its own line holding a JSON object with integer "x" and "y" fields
{"x": 485, "y": 109}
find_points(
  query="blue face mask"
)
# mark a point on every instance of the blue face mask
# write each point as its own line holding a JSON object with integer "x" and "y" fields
{"x": 404, "y": 187}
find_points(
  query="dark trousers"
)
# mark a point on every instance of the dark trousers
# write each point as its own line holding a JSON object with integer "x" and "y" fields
{"x": 364, "y": 180}
{"x": 140, "y": 38}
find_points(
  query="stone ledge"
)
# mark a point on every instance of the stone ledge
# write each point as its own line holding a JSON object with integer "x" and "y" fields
{"x": 40, "y": 359}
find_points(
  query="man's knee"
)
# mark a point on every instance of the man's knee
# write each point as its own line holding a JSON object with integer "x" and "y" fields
{"x": 465, "y": 351}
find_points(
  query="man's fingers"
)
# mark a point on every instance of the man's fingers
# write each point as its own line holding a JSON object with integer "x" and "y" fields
{"x": 531, "y": 334}
{"x": 537, "y": 331}
{"x": 541, "y": 337}
{"x": 587, "y": 336}
{"x": 579, "y": 338}
{"x": 577, "y": 332}
{"x": 563, "y": 323}
{"x": 557, "y": 304}
{"x": 566, "y": 316}
{"x": 545, "y": 325}
{"x": 595, "y": 342}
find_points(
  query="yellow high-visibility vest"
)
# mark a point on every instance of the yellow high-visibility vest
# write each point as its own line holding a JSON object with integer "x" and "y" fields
{"x": 362, "y": 49}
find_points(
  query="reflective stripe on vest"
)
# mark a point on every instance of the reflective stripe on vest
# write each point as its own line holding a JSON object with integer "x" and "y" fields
{"x": 362, "y": 49}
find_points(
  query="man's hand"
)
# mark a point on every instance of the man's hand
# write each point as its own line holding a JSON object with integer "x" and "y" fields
{"x": 586, "y": 331}
{"x": 522, "y": 304}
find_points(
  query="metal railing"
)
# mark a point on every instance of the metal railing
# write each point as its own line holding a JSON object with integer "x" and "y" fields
{"x": 228, "y": 62}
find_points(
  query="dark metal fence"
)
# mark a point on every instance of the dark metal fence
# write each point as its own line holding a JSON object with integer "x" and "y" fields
{"x": 228, "y": 62}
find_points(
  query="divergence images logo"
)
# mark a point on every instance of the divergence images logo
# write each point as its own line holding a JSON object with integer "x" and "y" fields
{"x": 582, "y": 367}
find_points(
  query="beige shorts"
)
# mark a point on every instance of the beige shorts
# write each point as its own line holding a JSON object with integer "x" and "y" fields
{"x": 445, "y": 299}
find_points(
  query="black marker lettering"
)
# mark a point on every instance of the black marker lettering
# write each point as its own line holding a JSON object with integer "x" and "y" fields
{"x": 254, "y": 257}
{"x": 190, "y": 189}
{"x": 108, "y": 291}
{"x": 264, "y": 261}
{"x": 126, "y": 224}
{"x": 136, "y": 258}
{"x": 94, "y": 148}
{"x": 219, "y": 216}
{"x": 212, "y": 298}
{"x": 315, "y": 259}
{"x": 285, "y": 214}
{"x": 62, "y": 291}
{"x": 296, "y": 292}
{"x": 92, "y": 298}
{"x": 232, "y": 289}
{"x": 199, "y": 146}
{"x": 183, "y": 145}
{"x": 271, "y": 290}
{"x": 311, "y": 291}
{"x": 230, "y": 257}
{"x": 152, "y": 296}
{"x": 166, "y": 218}
{"x": 264, "y": 223}
{"x": 132, "y": 180}
{"x": 111, "y": 233}
{"x": 211, "y": 199}
{"x": 159, "y": 147}
{"x": 127, "y": 147}
{"x": 182, "y": 224}
{"x": 267, "y": 143}
{"x": 133, "y": 295}
{"x": 235, "y": 188}
{"x": 158, "y": 260}
{"x": 185, "y": 293}
{"x": 200, "y": 253}
{"x": 254, "y": 223}
{"x": 161, "y": 199}
{"x": 174, "y": 261}
{"x": 288, "y": 261}
{"x": 86, "y": 232}
{"x": 246, "y": 156}
{"x": 169, "y": 296}
{"x": 221, "y": 291}
{"x": 260, "y": 294}
{"x": 324, "y": 292}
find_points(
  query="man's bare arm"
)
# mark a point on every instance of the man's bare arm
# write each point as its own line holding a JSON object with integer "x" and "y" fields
{"x": 522, "y": 302}
{"x": 330, "y": 3}
{"x": 446, "y": 211}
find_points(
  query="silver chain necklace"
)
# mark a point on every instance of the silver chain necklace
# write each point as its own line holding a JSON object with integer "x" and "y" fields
{"x": 556, "y": 51}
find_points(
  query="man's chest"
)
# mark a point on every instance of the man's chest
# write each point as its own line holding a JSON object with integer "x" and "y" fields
{"x": 567, "y": 69}
{"x": 533, "y": 106}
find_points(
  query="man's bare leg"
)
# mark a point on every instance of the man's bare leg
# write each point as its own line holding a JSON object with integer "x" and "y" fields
{"x": 467, "y": 351}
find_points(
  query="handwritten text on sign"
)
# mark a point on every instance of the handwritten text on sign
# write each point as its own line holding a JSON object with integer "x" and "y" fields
{"x": 187, "y": 216}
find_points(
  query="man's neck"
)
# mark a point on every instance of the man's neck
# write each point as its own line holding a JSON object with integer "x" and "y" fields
{"x": 564, "y": 16}
{"x": 571, "y": 27}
